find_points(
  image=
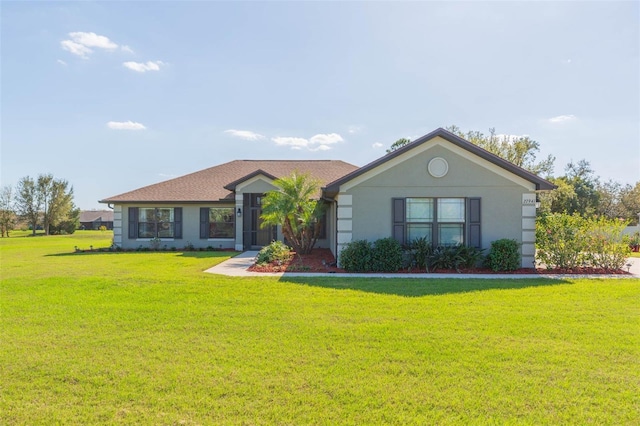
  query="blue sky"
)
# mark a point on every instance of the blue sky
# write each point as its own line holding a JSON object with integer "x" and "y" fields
{"x": 113, "y": 96}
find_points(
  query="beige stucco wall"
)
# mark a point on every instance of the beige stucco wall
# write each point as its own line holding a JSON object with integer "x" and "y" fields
{"x": 467, "y": 176}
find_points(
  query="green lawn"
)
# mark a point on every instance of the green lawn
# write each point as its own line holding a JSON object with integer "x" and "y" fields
{"x": 147, "y": 338}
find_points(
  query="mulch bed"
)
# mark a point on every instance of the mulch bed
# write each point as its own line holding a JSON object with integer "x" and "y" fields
{"x": 322, "y": 260}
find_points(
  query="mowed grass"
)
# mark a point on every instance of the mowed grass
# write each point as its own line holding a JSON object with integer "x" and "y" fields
{"x": 148, "y": 338}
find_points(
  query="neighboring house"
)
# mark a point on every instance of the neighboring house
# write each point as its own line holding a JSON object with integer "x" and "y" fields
{"x": 94, "y": 219}
{"x": 439, "y": 186}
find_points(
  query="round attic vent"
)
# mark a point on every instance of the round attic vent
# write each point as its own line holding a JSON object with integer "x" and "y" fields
{"x": 438, "y": 167}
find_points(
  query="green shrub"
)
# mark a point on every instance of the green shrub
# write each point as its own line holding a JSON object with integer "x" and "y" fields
{"x": 386, "y": 255}
{"x": 102, "y": 228}
{"x": 277, "y": 252}
{"x": 421, "y": 251}
{"x": 607, "y": 246}
{"x": 471, "y": 256}
{"x": 560, "y": 240}
{"x": 356, "y": 256}
{"x": 504, "y": 255}
{"x": 447, "y": 257}
{"x": 570, "y": 241}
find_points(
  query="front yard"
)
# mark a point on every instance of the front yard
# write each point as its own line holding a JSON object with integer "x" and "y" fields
{"x": 147, "y": 338}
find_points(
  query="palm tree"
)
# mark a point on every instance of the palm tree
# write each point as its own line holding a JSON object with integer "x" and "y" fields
{"x": 294, "y": 208}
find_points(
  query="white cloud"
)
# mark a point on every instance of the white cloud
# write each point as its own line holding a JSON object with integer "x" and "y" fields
{"x": 76, "y": 48}
{"x": 562, "y": 118}
{"x": 125, "y": 125}
{"x": 319, "y": 142}
{"x": 245, "y": 134}
{"x": 377, "y": 145}
{"x": 295, "y": 143}
{"x": 353, "y": 129}
{"x": 326, "y": 139}
{"x": 93, "y": 40}
{"x": 61, "y": 62}
{"x": 126, "y": 49}
{"x": 142, "y": 66}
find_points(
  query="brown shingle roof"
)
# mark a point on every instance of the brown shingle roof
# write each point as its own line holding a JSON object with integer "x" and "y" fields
{"x": 208, "y": 185}
{"x": 96, "y": 215}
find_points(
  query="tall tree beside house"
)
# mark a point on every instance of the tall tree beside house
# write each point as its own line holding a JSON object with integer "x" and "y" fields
{"x": 57, "y": 200}
{"x": 630, "y": 200}
{"x": 294, "y": 207}
{"x": 521, "y": 151}
{"x": 28, "y": 202}
{"x": 47, "y": 201}
{"x": 7, "y": 213}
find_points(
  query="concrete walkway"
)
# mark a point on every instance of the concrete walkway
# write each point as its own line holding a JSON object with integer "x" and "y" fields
{"x": 237, "y": 267}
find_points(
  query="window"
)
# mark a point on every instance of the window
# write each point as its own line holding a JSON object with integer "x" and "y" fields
{"x": 217, "y": 222}
{"x": 222, "y": 222}
{"x": 442, "y": 221}
{"x": 155, "y": 222}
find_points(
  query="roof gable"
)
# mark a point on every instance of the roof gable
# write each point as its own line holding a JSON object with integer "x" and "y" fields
{"x": 503, "y": 165}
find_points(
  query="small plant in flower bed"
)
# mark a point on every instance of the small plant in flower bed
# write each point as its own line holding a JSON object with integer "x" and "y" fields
{"x": 455, "y": 257}
{"x": 277, "y": 252}
{"x": 504, "y": 255}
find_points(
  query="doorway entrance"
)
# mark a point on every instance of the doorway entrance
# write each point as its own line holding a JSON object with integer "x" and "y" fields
{"x": 255, "y": 237}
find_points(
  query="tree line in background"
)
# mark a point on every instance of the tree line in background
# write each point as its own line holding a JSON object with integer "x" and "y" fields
{"x": 579, "y": 190}
{"x": 42, "y": 203}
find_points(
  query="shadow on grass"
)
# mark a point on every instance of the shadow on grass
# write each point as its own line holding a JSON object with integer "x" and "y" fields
{"x": 415, "y": 287}
{"x": 194, "y": 254}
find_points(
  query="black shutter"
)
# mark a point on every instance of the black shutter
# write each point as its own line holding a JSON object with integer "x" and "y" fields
{"x": 177, "y": 222}
{"x": 133, "y": 222}
{"x": 204, "y": 222}
{"x": 475, "y": 239}
{"x": 398, "y": 219}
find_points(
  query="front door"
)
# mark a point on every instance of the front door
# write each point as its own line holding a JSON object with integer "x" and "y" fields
{"x": 256, "y": 237}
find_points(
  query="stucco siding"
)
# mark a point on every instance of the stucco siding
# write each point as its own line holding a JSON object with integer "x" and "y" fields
{"x": 256, "y": 185}
{"x": 190, "y": 229}
{"x": 501, "y": 198}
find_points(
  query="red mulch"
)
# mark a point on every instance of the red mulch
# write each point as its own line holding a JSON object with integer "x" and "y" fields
{"x": 322, "y": 260}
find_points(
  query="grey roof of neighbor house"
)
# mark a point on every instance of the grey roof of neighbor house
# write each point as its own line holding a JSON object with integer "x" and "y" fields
{"x": 208, "y": 185}
{"x": 96, "y": 215}
{"x": 541, "y": 184}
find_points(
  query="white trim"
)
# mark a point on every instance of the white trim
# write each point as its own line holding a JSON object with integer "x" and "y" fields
{"x": 438, "y": 141}
{"x": 438, "y": 167}
{"x": 345, "y": 199}
{"x": 221, "y": 239}
{"x": 345, "y": 225}
{"x": 344, "y": 213}
{"x": 344, "y": 238}
{"x": 149, "y": 239}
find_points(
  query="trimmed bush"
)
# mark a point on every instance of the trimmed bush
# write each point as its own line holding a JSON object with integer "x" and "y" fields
{"x": 276, "y": 252}
{"x": 386, "y": 255}
{"x": 356, "y": 256}
{"x": 504, "y": 255}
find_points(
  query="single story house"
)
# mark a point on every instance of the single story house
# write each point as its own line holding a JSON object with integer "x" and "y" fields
{"x": 94, "y": 219}
{"x": 439, "y": 186}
